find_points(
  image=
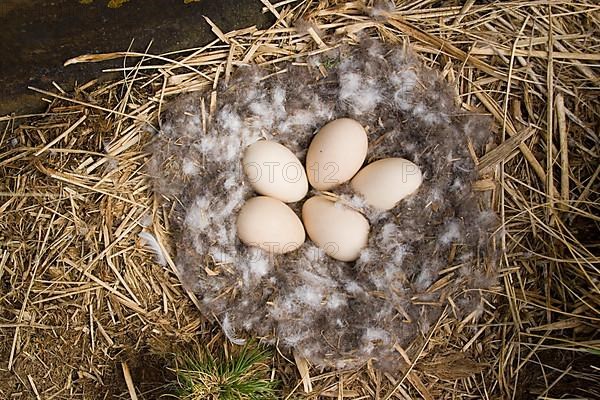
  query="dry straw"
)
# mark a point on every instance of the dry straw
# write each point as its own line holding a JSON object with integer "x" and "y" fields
{"x": 82, "y": 299}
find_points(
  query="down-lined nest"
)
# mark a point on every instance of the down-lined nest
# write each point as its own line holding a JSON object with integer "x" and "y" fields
{"x": 331, "y": 312}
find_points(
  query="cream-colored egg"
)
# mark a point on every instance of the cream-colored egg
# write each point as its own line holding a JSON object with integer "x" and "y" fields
{"x": 273, "y": 170}
{"x": 385, "y": 182}
{"x": 270, "y": 224}
{"x": 336, "y": 153}
{"x": 339, "y": 230}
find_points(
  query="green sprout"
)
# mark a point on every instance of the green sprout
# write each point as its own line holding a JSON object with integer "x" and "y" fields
{"x": 330, "y": 63}
{"x": 243, "y": 374}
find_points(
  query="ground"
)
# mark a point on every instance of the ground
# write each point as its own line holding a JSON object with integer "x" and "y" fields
{"x": 38, "y": 36}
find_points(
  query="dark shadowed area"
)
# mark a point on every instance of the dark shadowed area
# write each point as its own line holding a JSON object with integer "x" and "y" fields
{"x": 38, "y": 36}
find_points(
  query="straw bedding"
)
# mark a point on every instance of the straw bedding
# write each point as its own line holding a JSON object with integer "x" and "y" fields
{"x": 84, "y": 302}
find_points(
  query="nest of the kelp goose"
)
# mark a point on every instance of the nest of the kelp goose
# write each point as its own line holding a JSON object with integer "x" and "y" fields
{"x": 333, "y": 313}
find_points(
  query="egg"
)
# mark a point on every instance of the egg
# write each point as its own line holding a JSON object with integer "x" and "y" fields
{"x": 273, "y": 170}
{"x": 339, "y": 230}
{"x": 270, "y": 224}
{"x": 336, "y": 153}
{"x": 385, "y": 182}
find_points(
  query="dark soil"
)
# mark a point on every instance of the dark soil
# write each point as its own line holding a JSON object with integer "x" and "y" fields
{"x": 38, "y": 36}
{"x": 580, "y": 382}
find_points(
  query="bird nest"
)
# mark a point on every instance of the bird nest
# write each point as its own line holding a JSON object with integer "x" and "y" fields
{"x": 333, "y": 313}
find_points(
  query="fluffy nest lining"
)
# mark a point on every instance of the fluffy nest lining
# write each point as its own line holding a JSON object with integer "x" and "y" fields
{"x": 333, "y": 313}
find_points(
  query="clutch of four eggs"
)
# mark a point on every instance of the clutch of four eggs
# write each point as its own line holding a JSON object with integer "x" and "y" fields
{"x": 335, "y": 156}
